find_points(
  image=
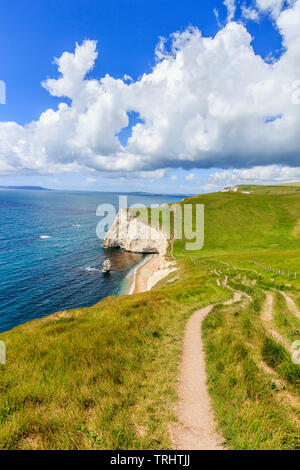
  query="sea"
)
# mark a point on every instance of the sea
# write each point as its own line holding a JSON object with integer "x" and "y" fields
{"x": 50, "y": 255}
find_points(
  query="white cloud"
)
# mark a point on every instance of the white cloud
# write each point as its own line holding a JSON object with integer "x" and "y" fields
{"x": 156, "y": 174}
{"x": 273, "y": 7}
{"x": 190, "y": 177}
{"x": 174, "y": 177}
{"x": 259, "y": 175}
{"x": 208, "y": 102}
{"x": 217, "y": 15}
{"x": 73, "y": 68}
{"x": 127, "y": 78}
{"x": 249, "y": 13}
{"x": 231, "y": 9}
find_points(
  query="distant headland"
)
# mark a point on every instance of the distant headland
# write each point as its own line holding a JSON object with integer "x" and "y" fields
{"x": 30, "y": 188}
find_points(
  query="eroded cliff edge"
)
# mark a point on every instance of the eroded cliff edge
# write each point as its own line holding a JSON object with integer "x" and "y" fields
{"x": 131, "y": 234}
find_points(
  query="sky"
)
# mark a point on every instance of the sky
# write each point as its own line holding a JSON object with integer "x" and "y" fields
{"x": 160, "y": 96}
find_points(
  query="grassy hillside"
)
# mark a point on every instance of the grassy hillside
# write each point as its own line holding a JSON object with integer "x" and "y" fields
{"x": 102, "y": 377}
{"x": 287, "y": 188}
{"x": 235, "y": 221}
{"x": 105, "y": 377}
{"x": 242, "y": 227}
{"x": 291, "y": 184}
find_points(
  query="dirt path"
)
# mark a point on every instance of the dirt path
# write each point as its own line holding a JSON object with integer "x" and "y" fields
{"x": 195, "y": 429}
{"x": 267, "y": 317}
{"x": 267, "y": 314}
{"x": 237, "y": 296}
{"x": 291, "y": 304}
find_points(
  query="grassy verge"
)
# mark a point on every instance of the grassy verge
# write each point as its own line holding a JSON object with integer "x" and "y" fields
{"x": 287, "y": 323}
{"x": 276, "y": 356}
{"x": 248, "y": 410}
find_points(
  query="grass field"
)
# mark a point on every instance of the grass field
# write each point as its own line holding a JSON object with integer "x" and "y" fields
{"x": 105, "y": 377}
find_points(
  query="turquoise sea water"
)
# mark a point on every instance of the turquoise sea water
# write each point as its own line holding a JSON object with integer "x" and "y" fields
{"x": 50, "y": 256}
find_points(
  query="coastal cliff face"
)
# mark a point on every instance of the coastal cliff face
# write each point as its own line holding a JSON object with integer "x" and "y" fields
{"x": 131, "y": 234}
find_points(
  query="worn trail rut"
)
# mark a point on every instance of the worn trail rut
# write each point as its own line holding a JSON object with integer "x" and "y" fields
{"x": 267, "y": 317}
{"x": 195, "y": 429}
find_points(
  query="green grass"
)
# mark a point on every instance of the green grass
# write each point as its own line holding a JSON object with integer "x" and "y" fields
{"x": 290, "y": 184}
{"x": 277, "y": 357}
{"x": 102, "y": 377}
{"x": 287, "y": 323}
{"x": 250, "y": 411}
{"x": 246, "y": 407}
{"x": 105, "y": 377}
{"x": 276, "y": 189}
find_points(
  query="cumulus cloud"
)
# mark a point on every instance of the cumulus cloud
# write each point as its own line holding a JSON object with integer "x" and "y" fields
{"x": 208, "y": 102}
{"x": 259, "y": 175}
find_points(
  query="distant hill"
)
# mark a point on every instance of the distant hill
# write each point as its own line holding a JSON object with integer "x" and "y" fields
{"x": 290, "y": 184}
{"x": 286, "y": 188}
{"x": 30, "y": 188}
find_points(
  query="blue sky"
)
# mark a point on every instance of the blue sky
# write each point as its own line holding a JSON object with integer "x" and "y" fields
{"x": 127, "y": 33}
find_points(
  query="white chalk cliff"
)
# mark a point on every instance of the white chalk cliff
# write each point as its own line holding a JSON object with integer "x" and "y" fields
{"x": 131, "y": 234}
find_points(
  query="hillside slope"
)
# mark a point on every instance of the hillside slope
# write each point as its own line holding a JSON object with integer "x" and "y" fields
{"x": 105, "y": 377}
{"x": 242, "y": 228}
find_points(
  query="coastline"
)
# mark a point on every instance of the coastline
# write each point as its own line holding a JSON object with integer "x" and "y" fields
{"x": 128, "y": 233}
{"x": 136, "y": 271}
{"x": 148, "y": 273}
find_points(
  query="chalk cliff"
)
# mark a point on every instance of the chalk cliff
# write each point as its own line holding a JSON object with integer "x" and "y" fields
{"x": 131, "y": 234}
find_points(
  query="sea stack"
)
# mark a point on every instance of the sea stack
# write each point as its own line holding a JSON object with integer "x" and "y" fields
{"x": 106, "y": 267}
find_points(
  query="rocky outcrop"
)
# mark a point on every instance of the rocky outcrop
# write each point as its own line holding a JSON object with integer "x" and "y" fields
{"x": 230, "y": 189}
{"x": 131, "y": 234}
{"x": 106, "y": 267}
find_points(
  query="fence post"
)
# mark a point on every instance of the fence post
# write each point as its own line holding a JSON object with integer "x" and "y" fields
{"x": 275, "y": 270}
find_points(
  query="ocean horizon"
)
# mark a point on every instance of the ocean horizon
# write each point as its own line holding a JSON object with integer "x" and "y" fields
{"x": 50, "y": 256}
